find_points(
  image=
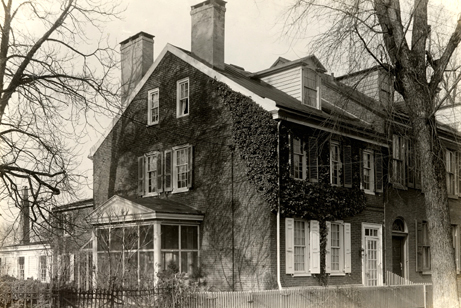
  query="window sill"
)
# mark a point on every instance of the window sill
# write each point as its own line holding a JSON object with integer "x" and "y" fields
{"x": 179, "y": 190}
{"x": 151, "y": 124}
{"x": 181, "y": 116}
{"x": 426, "y": 272}
{"x": 150, "y": 195}
{"x": 301, "y": 275}
{"x": 369, "y": 192}
{"x": 338, "y": 274}
{"x": 452, "y": 196}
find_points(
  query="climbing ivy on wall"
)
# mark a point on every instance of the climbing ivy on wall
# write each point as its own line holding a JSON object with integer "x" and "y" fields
{"x": 255, "y": 137}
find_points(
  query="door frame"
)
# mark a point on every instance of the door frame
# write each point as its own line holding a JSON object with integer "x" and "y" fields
{"x": 379, "y": 227}
{"x": 403, "y": 234}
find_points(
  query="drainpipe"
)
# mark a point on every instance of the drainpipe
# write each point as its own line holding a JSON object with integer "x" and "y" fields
{"x": 279, "y": 283}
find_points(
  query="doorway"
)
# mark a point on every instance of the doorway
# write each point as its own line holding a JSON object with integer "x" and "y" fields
{"x": 399, "y": 249}
{"x": 372, "y": 269}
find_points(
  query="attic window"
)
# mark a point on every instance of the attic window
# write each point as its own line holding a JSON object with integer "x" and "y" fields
{"x": 310, "y": 88}
{"x": 182, "y": 104}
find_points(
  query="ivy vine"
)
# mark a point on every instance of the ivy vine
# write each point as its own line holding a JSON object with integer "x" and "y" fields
{"x": 255, "y": 137}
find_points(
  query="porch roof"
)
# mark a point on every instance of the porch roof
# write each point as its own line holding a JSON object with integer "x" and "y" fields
{"x": 120, "y": 209}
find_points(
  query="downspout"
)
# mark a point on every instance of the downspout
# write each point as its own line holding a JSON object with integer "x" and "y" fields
{"x": 279, "y": 283}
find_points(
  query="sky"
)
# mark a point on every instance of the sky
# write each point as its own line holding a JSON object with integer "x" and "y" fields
{"x": 254, "y": 39}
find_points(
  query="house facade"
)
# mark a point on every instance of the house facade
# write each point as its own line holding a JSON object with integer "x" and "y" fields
{"x": 181, "y": 179}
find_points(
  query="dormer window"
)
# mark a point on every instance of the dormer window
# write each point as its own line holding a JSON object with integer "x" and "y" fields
{"x": 310, "y": 88}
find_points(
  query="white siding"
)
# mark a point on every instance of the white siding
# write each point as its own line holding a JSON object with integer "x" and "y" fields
{"x": 289, "y": 81}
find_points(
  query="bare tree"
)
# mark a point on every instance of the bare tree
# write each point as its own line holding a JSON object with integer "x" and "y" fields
{"x": 52, "y": 79}
{"x": 397, "y": 36}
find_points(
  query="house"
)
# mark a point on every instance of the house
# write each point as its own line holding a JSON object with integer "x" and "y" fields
{"x": 406, "y": 236}
{"x": 30, "y": 257}
{"x": 71, "y": 242}
{"x": 245, "y": 180}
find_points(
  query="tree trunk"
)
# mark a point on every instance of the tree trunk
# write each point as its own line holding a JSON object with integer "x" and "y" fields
{"x": 443, "y": 267}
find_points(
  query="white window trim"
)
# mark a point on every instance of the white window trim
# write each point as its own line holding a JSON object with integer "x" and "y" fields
{"x": 371, "y": 190}
{"x": 180, "y": 249}
{"x": 303, "y": 85}
{"x": 150, "y": 106}
{"x": 345, "y": 249}
{"x": 146, "y": 180}
{"x": 335, "y": 144}
{"x": 174, "y": 172}
{"x": 178, "y": 94}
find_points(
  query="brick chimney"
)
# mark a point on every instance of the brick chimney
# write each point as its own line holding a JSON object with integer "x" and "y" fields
{"x": 208, "y": 31}
{"x": 137, "y": 56}
{"x": 25, "y": 218}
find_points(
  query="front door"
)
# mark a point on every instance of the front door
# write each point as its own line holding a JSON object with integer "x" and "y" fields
{"x": 371, "y": 255}
{"x": 397, "y": 255}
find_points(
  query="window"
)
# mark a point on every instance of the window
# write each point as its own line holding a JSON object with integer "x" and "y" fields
{"x": 338, "y": 256}
{"x": 368, "y": 174}
{"x": 153, "y": 107}
{"x": 167, "y": 171}
{"x": 335, "y": 164}
{"x": 423, "y": 254}
{"x": 303, "y": 165}
{"x": 180, "y": 248}
{"x": 302, "y": 246}
{"x": 66, "y": 270}
{"x": 21, "y": 267}
{"x": 182, "y": 168}
{"x": 126, "y": 253}
{"x": 182, "y": 105}
{"x": 310, "y": 88}
{"x": 451, "y": 169}
{"x": 298, "y": 159}
{"x": 43, "y": 269}
{"x": 398, "y": 160}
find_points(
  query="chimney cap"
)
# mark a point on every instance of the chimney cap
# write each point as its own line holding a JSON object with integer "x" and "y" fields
{"x": 218, "y": 2}
{"x": 139, "y": 34}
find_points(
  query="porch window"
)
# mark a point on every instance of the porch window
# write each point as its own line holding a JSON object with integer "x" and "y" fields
{"x": 126, "y": 254}
{"x": 179, "y": 248}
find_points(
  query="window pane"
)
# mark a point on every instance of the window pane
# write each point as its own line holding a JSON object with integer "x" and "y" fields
{"x": 147, "y": 237}
{"x": 103, "y": 270}
{"x": 170, "y": 260}
{"x": 130, "y": 270}
{"x": 103, "y": 239}
{"x": 189, "y": 236}
{"x": 116, "y": 239}
{"x": 130, "y": 239}
{"x": 189, "y": 261}
{"x": 146, "y": 267}
{"x": 170, "y": 237}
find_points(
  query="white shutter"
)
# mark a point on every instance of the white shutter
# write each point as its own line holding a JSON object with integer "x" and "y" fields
{"x": 328, "y": 249}
{"x": 314, "y": 247}
{"x": 289, "y": 245}
{"x": 347, "y": 248}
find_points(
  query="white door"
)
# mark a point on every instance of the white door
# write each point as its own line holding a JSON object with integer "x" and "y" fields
{"x": 372, "y": 255}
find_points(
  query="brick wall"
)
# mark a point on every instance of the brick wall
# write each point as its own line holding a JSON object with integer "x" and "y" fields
{"x": 207, "y": 129}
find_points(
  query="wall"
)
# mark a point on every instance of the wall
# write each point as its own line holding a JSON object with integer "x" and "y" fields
{"x": 207, "y": 128}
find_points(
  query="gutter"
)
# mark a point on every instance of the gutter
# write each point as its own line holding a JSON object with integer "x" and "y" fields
{"x": 279, "y": 283}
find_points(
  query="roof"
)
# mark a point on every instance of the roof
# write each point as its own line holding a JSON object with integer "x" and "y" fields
{"x": 164, "y": 205}
{"x": 121, "y": 209}
{"x": 249, "y": 84}
{"x": 74, "y": 205}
